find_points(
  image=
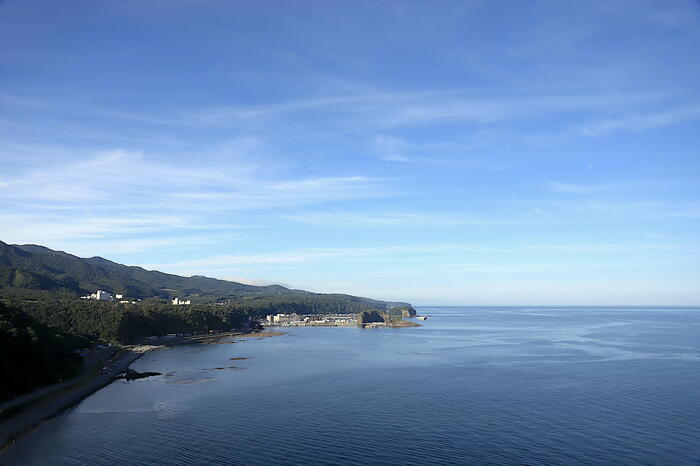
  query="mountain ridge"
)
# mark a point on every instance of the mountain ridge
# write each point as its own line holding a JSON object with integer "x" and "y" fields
{"x": 27, "y": 269}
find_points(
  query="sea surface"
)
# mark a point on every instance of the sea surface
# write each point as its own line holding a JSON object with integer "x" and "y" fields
{"x": 486, "y": 385}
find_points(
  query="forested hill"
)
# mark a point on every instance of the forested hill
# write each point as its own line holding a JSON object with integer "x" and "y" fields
{"x": 30, "y": 271}
{"x": 39, "y": 268}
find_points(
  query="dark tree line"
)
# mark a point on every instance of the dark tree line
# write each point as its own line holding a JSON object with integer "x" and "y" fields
{"x": 33, "y": 354}
{"x": 112, "y": 322}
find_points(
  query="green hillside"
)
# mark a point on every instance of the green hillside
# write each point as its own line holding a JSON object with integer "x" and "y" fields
{"x": 36, "y": 272}
{"x": 39, "y": 268}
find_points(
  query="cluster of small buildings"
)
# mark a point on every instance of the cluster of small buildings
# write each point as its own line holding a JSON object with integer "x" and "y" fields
{"x": 100, "y": 295}
{"x": 283, "y": 318}
{"x": 318, "y": 320}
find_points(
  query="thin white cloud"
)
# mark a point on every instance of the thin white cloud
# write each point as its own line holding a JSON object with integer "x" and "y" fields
{"x": 117, "y": 193}
{"x": 264, "y": 195}
{"x": 345, "y": 219}
{"x": 136, "y": 244}
{"x": 385, "y": 109}
{"x": 428, "y": 252}
{"x": 489, "y": 109}
{"x": 109, "y": 175}
{"x": 559, "y": 187}
{"x": 123, "y": 180}
{"x": 563, "y": 212}
{"x": 642, "y": 121}
{"x": 22, "y": 227}
{"x": 295, "y": 256}
{"x": 395, "y": 158}
{"x": 227, "y": 114}
{"x": 471, "y": 268}
{"x": 390, "y": 148}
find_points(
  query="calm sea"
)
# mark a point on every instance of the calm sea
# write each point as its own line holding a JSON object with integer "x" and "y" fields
{"x": 471, "y": 386}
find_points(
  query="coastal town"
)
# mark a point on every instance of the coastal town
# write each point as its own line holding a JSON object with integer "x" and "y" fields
{"x": 366, "y": 319}
{"x": 316, "y": 320}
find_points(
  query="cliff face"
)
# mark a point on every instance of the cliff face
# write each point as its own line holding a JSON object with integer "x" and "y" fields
{"x": 366, "y": 317}
{"x": 382, "y": 318}
{"x": 402, "y": 310}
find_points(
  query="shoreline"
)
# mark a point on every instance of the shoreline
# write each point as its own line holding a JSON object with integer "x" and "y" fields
{"x": 37, "y": 411}
{"x": 34, "y": 411}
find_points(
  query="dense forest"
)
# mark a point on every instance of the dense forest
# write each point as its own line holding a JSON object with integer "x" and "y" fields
{"x": 33, "y": 354}
{"x": 116, "y": 323}
{"x": 112, "y": 322}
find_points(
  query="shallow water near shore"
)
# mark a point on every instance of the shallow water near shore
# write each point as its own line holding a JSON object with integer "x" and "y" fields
{"x": 471, "y": 386}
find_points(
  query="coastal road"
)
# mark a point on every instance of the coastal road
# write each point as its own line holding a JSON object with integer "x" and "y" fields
{"x": 55, "y": 400}
{"x": 49, "y": 401}
{"x": 95, "y": 358}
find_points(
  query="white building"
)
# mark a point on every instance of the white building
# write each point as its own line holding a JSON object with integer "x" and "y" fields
{"x": 103, "y": 296}
{"x": 178, "y": 301}
{"x": 99, "y": 296}
{"x": 280, "y": 318}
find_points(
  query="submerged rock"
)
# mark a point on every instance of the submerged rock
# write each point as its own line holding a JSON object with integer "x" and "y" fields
{"x": 131, "y": 374}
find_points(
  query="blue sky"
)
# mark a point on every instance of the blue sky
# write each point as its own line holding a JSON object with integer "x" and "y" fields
{"x": 470, "y": 152}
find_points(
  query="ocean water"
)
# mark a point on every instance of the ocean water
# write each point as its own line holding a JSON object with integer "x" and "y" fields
{"x": 471, "y": 386}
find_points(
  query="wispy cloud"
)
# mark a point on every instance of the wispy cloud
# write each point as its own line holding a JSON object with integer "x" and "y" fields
{"x": 605, "y": 211}
{"x": 390, "y": 148}
{"x": 345, "y": 219}
{"x": 106, "y": 175}
{"x": 446, "y": 253}
{"x": 123, "y": 180}
{"x": 474, "y": 269}
{"x": 642, "y": 121}
{"x": 22, "y": 227}
{"x": 264, "y": 195}
{"x": 395, "y": 158}
{"x": 227, "y": 114}
{"x": 136, "y": 244}
{"x": 388, "y": 110}
{"x": 106, "y": 196}
{"x": 456, "y": 106}
{"x": 559, "y": 187}
{"x": 297, "y": 256}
